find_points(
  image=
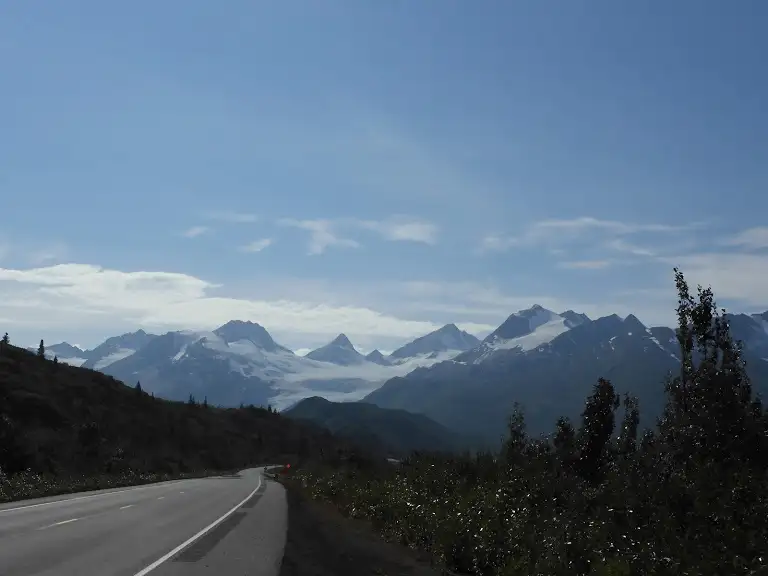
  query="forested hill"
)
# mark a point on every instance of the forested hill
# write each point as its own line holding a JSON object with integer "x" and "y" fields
{"x": 61, "y": 420}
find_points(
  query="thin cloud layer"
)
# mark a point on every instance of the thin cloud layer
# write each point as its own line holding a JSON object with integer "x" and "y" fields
{"x": 752, "y": 238}
{"x": 195, "y": 231}
{"x": 322, "y": 234}
{"x": 257, "y": 245}
{"x": 402, "y": 228}
{"x": 555, "y": 232}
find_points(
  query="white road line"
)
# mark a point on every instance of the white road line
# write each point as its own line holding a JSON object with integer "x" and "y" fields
{"x": 128, "y": 506}
{"x": 160, "y": 497}
{"x": 202, "y": 532}
{"x": 84, "y": 497}
{"x": 59, "y": 523}
{"x": 182, "y": 492}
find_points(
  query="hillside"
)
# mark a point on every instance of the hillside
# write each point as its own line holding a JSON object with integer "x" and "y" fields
{"x": 397, "y": 432}
{"x": 64, "y": 420}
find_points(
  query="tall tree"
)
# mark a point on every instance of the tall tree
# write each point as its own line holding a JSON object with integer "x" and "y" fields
{"x": 517, "y": 437}
{"x": 598, "y": 422}
{"x": 41, "y": 350}
{"x": 628, "y": 434}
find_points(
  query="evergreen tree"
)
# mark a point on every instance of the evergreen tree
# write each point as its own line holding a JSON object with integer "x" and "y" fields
{"x": 628, "y": 434}
{"x": 5, "y": 341}
{"x": 598, "y": 421}
{"x": 138, "y": 388}
{"x": 41, "y": 350}
{"x": 565, "y": 440}
{"x": 205, "y": 402}
{"x": 517, "y": 438}
{"x": 56, "y": 360}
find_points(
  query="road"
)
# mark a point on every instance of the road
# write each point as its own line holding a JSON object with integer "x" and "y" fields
{"x": 228, "y": 526}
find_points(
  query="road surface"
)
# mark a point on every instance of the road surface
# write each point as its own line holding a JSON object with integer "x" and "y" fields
{"x": 224, "y": 526}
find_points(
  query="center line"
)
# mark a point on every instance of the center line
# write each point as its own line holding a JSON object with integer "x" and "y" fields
{"x": 160, "y": 497}
{"x": 124, "y": 507}
{"x": 59, "y": 523}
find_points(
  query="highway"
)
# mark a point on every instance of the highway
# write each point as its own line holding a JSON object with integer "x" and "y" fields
{"x": 222, "y": 525}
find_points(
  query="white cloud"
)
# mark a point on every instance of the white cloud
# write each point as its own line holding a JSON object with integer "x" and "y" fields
{"x": 402, "y": 228}
{"x": 257, "y": 245}
{"x": 623, "y": 246}
{"x": 80, "y": 296}
{"x": 741, "y": 277}
{"x": 195, "y": 231}
{"x": 559, "y": 231}
{"x": 585, "y": 264}
{"x": 752, "y": 238}
{"x": 233, "y": 217}
{"x": 322, "y": 234}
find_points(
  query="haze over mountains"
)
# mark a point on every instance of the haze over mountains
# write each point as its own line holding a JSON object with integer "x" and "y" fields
{"x": 547, "y": 361}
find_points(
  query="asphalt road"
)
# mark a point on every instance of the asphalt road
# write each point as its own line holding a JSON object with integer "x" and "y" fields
{"x": 224, "y": 525}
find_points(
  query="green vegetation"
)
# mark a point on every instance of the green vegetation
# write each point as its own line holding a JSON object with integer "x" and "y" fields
{"x": 64, "y": 429}
{"x": 687, "y": 497}
{"x": 388, "y": 431}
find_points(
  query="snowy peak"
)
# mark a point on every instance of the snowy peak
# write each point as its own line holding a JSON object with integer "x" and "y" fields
{"x": 524, "y": 331}
{"x": 449, "y": 337}
{"x": 574, "y": 318}
{"x": 239, "y": 330}
{"x": 523, "y": 323}
{"x": 339, "y": 351}
{"x": 342, "y": 342}
{"x": 117, "y": 348}
{"x": 65, "y": 350}
{"x": 377, "y": 358}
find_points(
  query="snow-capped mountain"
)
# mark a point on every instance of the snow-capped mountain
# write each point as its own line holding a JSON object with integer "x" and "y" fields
{"x": 241, "y": 362}
{"x": 378, "y": 358}
{"x": 66, "y": 353}
{"x": 523, "y": 331}
{"x": 116, "y": 348}
{"x": 110, "y": 351}
{"x": 535, "y": 356}
{"x": 239, "y": 331}
{"x": 339, "y": 351}
{"x": 447, "y": 338}
{"x": 550, "y": 362}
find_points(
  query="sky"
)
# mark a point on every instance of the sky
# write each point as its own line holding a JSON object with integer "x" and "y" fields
{"x": 375, "y": 168}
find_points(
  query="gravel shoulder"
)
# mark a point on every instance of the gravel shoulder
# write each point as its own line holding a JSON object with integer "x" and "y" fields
{"x": 321, "y": 542}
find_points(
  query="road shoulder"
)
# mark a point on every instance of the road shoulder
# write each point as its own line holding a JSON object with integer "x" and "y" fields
{"x": 321, "y": 542}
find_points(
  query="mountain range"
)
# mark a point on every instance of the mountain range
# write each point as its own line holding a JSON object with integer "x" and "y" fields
{"x": 547, "y": 361}
{"x": 239, "y": 362}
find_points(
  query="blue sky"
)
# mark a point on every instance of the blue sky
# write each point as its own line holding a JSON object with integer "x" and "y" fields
{"x": 377, "y": 168}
